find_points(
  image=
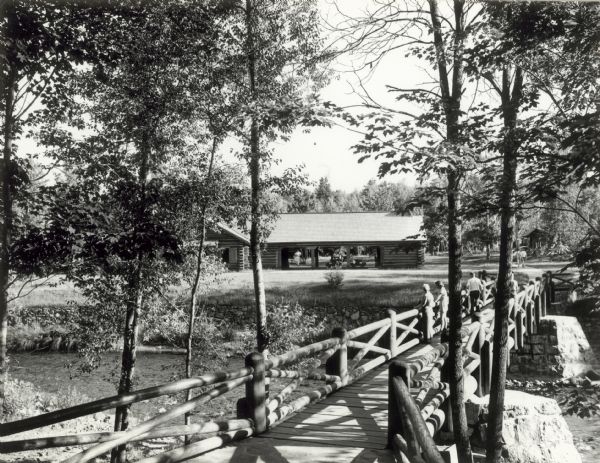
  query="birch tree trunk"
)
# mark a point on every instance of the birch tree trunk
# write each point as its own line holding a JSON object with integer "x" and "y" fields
{"x": 134, "y": 307}
{"x": 451, "y": 99}
{"x": 196, "y": 283}
{"x": 262, "y": 339}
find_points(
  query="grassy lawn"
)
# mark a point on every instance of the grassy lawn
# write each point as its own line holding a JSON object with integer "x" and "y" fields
{"x": 361, "y": 287}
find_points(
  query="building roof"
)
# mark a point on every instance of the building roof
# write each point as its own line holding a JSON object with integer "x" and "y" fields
{"x": 235, "y": 233}
{"x": 535, "y": 231}
{"x": 341, "y": 227}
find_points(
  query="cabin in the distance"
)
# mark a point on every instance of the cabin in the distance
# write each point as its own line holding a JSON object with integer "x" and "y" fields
{"x": 330, "y": 240}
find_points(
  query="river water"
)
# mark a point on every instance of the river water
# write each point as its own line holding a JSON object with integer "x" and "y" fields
{"x": 51, "y": 373}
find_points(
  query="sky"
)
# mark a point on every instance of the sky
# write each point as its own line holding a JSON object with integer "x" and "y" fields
{"x": 327, "y": 152}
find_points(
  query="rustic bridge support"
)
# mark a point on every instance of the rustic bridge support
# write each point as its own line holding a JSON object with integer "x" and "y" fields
{"x": 519, "y": 329}
{"x": 530, "y": 320}
{"x": 256, "y": 397}
{"x": 427, "y": 325}
{"x": 405, "y": 418}
{"x": 392, "y": 338}
{"x": 486, "y": 367}
{"x": 337, "y": 364}
{"x": 398, "y": 424}
{"x": 478, "y": 372}
{"x": 537, "y": 307}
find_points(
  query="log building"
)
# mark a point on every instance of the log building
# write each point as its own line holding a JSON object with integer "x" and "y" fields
{"x": 317, "y": 240}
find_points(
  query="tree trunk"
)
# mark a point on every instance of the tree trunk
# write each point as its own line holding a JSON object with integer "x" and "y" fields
{"x": 134, "y": 307}
{"x": 129, "y": 356}
{"x": 7, "y": 217}
{"x": 451, "y": 95}
{"x": 510, "y": 107}
{"x": 455, "y": 354}
{"x": 196, "y": 283}
{"x": 262, "y": 339}
{"x": 488, "y": 245}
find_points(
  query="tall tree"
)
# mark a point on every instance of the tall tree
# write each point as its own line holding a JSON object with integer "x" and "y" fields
{"x": 281, "y": 46}
{"x": 430, "y": 132}
{"x": 512, "y": 55}
{"x": 135, "y": 108}
{"x": 41, "y": 42}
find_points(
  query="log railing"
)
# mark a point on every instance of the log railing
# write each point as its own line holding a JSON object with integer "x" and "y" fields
{"x": 335, "y": 362}
{"x": 418, "y": 404}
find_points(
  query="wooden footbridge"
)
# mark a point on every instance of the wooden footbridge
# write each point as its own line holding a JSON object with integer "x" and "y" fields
{"x": 373, "y": 393}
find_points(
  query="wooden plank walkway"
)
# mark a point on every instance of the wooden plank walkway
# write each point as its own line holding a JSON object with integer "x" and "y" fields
{"x": 349, "y": 426}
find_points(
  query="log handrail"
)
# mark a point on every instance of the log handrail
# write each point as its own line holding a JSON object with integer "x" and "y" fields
{"x": 179, "y": 410}
{"x": 405, "y": 435}
{"x": 107, "y": 403}
{"x": 69, "y": 440}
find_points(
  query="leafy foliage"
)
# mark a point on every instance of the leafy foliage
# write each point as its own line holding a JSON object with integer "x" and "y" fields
{"x": 588, "y": 261}
{"x": 335, "y": 279}
{"x": 290, "y": 326}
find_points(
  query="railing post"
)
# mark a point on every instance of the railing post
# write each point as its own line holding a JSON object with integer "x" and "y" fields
{"x": 427, "y": 325}
{"x": 478, "y": 372}
{"x": 519, "y": 329}
{"x": 256, "y": 392}
{"x": 537, "y": 310}
{"x": 486, "y": 366}
{"x": 393, "y": 330}
{"x": 529, "y": 318}
{"x": 551, "y": 295}
{"x": 546, "y": 296}
{"x": 397, "y": 424}
{"x": 448, "y": 425}
{"x": 337, "y": 364}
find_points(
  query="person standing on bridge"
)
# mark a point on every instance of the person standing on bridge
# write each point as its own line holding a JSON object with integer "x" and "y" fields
{"x": 442, "y": 303}
{"x": 475, "y": 288}
{"x": 427, "y": 307}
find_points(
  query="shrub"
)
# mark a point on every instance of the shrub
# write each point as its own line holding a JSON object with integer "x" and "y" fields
{"x": 44, "y": 315}
{"x": 29, "y": 337}
{"x": 335, "y": 278}
{"x": 168, "y": 324}
{"x": 22, "y": 399}
{"x": 290, "y": 325}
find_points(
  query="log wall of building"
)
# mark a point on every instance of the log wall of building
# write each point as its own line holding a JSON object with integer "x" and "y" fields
{"x": 239, "y": 256}
{"x": 270, "y": 257}
{"x": 402, "y": 256}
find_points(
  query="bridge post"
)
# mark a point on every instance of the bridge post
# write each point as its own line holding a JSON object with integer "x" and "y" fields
{"x": 545, "y": 297}
{"x": 393, "y": 347}
{"x": 519, "y": 329}
{"x": 478, "y": 372}
{"x": 530, "y": 319}
{"x": 486, "y": 366}
{"x": 256, "y": 397}
{"x": 537, "y": 311}
{"x": 398, "y": 424}
{"x": 550, "y": 287}
{"x": 337, "y": 364}
{"x": 448, "y": 425}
